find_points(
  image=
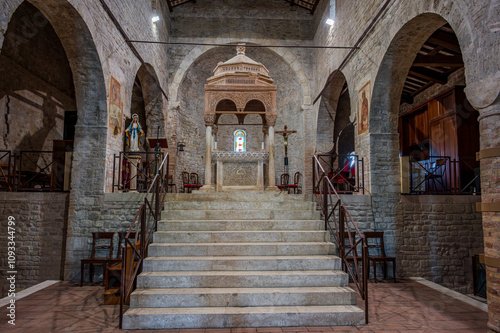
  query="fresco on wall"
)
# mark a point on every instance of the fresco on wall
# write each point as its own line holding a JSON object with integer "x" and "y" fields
{"x": 364, "y": 98}
{"x": 115, "y": 107}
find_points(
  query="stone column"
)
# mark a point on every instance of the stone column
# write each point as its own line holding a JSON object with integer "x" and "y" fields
{"x": 484, "y": 97}
{"x": 271, "y": 121}
{"x": 270, "y": 149}
{"x": 209, "y": 123}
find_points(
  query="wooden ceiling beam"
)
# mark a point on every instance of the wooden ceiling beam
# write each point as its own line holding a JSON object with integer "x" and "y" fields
{"x": 448, "y": 41}
{"x": 428, "y": 74}
{"x": 438, "y": 61}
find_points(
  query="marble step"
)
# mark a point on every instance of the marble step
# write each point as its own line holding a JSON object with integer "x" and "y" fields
{"x": 256, "y": 196}
{"x": 239, "y": 205}
{"x": 240, "y": 214}
{"x": 226, "y": 317}
{"x": 243, "y": 249}
{"x": 242, "y": 263}
{"x": 233, "y": 224}
{"x": 239, "y": 236}
{"x": 219, "y": 297}
{"x": 242, "y": 279}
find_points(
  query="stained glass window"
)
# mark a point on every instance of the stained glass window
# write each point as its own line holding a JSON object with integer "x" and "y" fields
{"x": 240, "y": 140}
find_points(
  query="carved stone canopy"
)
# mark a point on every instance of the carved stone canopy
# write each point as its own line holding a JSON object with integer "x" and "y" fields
{"x": 240, "y": 86}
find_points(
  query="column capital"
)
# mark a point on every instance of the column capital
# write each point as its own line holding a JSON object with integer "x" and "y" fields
{"x": 209, "y": 118}
{"x": 271, "y": 118}
{"x": 484, "y": 93}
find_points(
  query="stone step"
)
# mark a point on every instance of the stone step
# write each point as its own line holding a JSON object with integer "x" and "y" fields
{"x": 242, "y": 279}
{"x": 256, "y": 196}
{"x": 221, "y": 225}
{"x": 239, "y": 236}
{"x": 220, "y": 297}
{"x": 239, "y": 205}
{"x": 244, "y": 249}
{"x": 226, "y": 317}
{"x": 241, "y": 263}
{"x": 241, "y": 214}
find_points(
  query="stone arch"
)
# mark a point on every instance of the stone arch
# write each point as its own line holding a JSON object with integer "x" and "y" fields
{"x": 333, "y": 113}
{"x": 255, "y": 105}
{"x": 91, "y": 129}
{"x": 225, "y": 104}
{"x": 289, "y": 57}
{"x": 153, "y": 100}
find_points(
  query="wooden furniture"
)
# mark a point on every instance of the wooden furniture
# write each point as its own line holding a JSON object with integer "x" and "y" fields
{"x": 112, "y": 296}
{"x": 376, "y": 253}
{"x": 107, "y": 245}
{"x": 190, "y": 182}
{"x": 295, "y": 185}
{"x": 443, "y": 126}
{"x": 112, "y": 263}
{"x": 284, "y": 182}
{"x": 171, "y": 185}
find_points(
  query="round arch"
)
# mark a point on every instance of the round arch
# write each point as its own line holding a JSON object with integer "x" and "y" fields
{"x": 89, "y": 155}
{"x": 197, "y": 52}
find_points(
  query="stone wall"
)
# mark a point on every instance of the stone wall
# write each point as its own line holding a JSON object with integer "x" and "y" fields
{"x": 436, "y": 238}
{"x": 40, "y": 234}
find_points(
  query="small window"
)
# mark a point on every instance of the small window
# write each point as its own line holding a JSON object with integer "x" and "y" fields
{"x": 240, "y": 141}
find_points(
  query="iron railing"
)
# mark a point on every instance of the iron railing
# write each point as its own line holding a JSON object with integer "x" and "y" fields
{"x": 6, "y": 171}
{"x": 146, "y": 170}
{"x": 450, "y": 177}
{"x": 346, "y": 172}
{"x": 142, "y": 227}
{"x": 340, "y": 224}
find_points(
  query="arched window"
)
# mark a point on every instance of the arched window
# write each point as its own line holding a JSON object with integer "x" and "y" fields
{"x": 240, "y": 141}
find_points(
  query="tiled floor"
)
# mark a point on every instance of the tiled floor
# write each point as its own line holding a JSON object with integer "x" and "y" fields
{"x": 403, "y": 307}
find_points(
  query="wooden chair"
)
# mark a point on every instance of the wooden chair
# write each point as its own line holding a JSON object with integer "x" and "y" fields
{"x": 295, "y": 185}
{"x": 94, "y": 259}
{"x": 284, "y": 182}
{"x": 187, "y": 184}
{"x": 171, "y": 185}
{"x": 195, "y": 180}
{"x": 375, "y": 241}
{"x": 113, "y": 268}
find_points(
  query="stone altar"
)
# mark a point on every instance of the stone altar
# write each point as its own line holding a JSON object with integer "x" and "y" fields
{"x": 240, "y": 170}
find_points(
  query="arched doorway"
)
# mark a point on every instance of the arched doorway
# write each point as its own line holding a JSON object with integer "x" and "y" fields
{"x": 422, "y": 64}
{"x": 81, "y": 88}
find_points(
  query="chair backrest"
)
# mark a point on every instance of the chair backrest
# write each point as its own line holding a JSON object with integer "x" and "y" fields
{"x": 347, "y": 243}
{"x": 194, "y": 178}
{"x": 103, "y": 246}
{"x": 170, "y": 180}
{"x": 185, "y": 178}
{"x": 296, "y": 178}
{"x": 375, "y": 240}
{"x": 284, "y": 179}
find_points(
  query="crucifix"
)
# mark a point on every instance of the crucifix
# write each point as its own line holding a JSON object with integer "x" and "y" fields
{"x": 285, "y": 134}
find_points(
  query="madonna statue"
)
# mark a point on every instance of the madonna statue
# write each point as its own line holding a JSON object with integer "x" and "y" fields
{"x": 134, "y": 134}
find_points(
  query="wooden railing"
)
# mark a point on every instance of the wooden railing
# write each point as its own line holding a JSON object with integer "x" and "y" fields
{"x": 138, "y": 237}
{"x": 340, "y": 224}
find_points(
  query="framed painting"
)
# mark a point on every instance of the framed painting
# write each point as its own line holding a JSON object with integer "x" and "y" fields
{"x": 115, "y": 107}
{"x": 364, "y": 99}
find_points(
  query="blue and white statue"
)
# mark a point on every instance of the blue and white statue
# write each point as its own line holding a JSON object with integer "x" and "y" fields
{"x": 134, "y": 134}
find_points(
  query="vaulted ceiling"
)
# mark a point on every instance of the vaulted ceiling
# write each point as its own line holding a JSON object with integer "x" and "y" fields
{"x": 306, "y": 4}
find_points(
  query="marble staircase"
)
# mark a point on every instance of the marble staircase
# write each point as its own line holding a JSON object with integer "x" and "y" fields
{"x": 241, "y": 259}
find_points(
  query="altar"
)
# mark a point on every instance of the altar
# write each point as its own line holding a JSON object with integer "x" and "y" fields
{"x": 240, "y": 170}
{"x": 240, "y": 98}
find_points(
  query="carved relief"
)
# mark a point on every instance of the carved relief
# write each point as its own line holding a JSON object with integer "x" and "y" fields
{"x": 209, "y": 118}
{"x": 271, "y": 118}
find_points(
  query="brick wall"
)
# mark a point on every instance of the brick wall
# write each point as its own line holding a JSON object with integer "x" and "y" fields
{"x": 40, "y": 236}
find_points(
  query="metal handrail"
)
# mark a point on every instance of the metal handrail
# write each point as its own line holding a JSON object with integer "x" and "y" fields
{"x": 145, "y": 222}
{"x": 343, "y": 224}
{"x": 354, "y": 182}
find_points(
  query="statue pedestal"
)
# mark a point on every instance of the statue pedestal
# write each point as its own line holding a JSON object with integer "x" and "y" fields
{"x": 135, "y": 160}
